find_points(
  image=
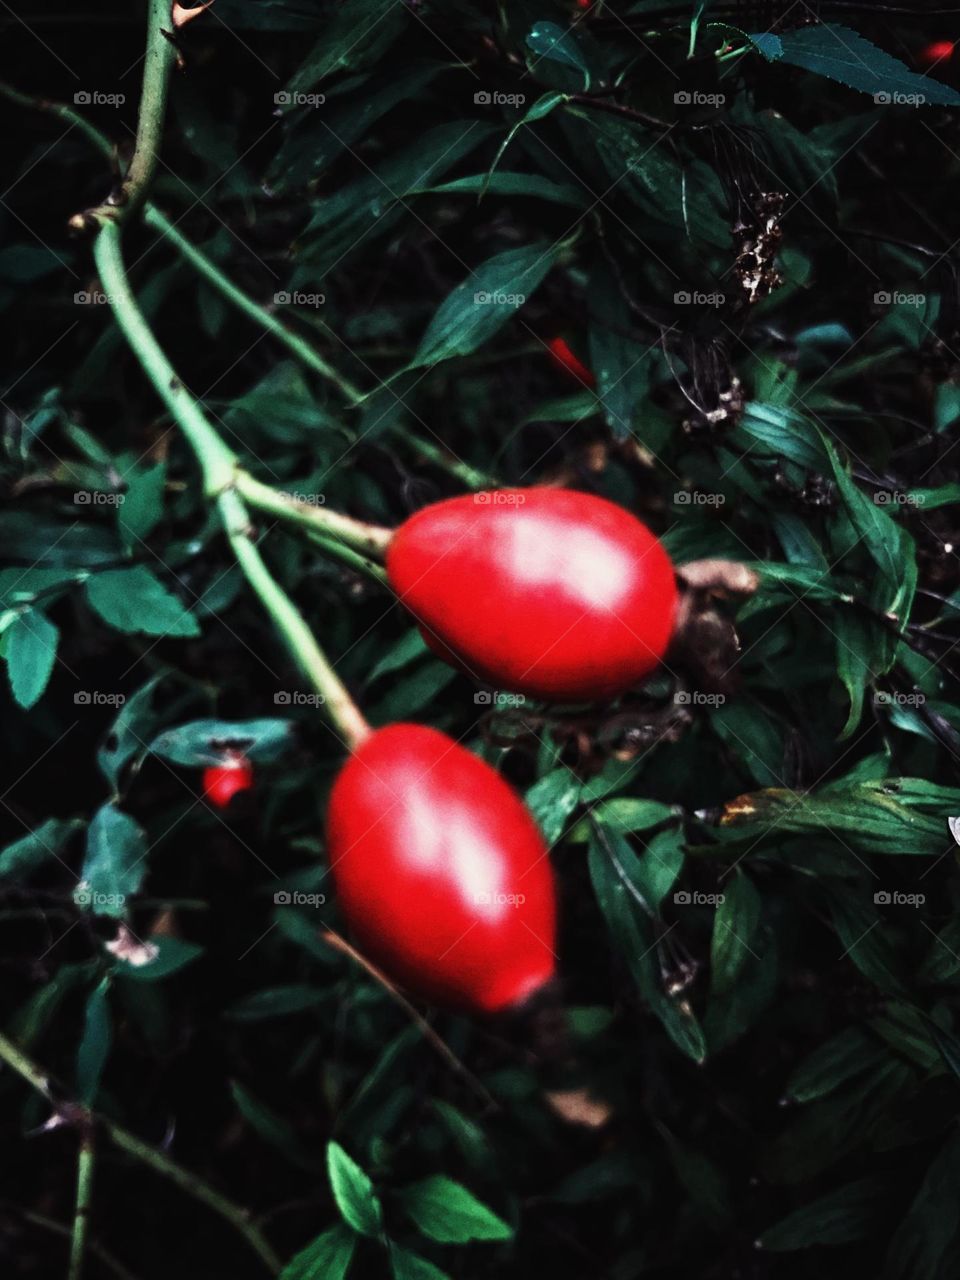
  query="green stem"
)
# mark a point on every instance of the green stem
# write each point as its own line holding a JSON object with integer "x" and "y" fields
{"x": 208, "y": 269}
{"x": 238, "y": 1218}
{"x": 110, "y": 1263}
{"x": 369, "y": 539}
{"x": 258, "y": 314}
{"x": 470, "y": 476}
{"x": 188, "y": 1182}
{"x": 217, "y": 461}
{"x": 340, "y": 551}
{"x": 161, "y": 54}
{"x": 81, "y": 1217}
{"x": 62, "y": 112}
{"x": 337, "y": 702}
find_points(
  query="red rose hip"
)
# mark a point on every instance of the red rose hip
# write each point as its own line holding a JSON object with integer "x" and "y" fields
{"x": 221, "y": 782}
{"x": 548, "y": 592}
{"x": 564, "y": 359}
{"x": 441, "y": 871}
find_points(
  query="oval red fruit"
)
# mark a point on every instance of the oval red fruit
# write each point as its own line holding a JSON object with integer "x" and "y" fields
{"x": 547, "y": 592}
{"x": 937, "y": 51}
{"x": 441, "y": 871}
{"x": 564, "y": 359}
{"x": 221, "y": 782}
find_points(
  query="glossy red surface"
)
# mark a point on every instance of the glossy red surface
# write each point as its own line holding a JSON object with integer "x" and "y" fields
{"x": 222, "y": 782}
{"x": 564, "y": 359}
{"x": 546, "y": 592}
{"x": 937, "y": 51}
{"x": 441, "y": 871}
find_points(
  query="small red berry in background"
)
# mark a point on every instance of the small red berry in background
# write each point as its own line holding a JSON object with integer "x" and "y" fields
{"x": 221, "y": 782}
{"x": 564, "y": 359}
{"x": 936, "y": 51}
{"x": 584, "y": 4}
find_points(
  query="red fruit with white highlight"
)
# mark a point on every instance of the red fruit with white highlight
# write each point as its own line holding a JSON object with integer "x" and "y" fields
{"x": 221, "y": 782}
{"x": 441, "y": 871}
{"x": 548, "y": 592}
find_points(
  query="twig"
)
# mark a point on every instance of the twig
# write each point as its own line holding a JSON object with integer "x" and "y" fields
{"x": 290, "y": 623}
{"x": 60, "y": 1229}
{"x": 81, "y": 1217}
{"x": 368, "y": 539}
{"x": 160, "y": 56}
{"x": 194, "y": 1186}
{"x": 338, "y": 943}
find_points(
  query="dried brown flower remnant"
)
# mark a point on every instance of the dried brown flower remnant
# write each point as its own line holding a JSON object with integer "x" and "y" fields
{"x": 759, "y": 239}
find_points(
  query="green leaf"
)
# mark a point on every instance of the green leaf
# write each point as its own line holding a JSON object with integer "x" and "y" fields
{"x": 353, "y": 1191}
{"x": 734, "y": 927}
{"x": 548, "y": 40}
{"x": 447, "y": 1212}
{"x": 887, "y": 816}
{"x": 172, "y": 955}
{"x": 407, "y": 649}
{"x": 206, "y": 742}
{"x": 359, "y": 32}
{"x": 95, "y": 1044}
{"x": 620, "y": 363}
{"x": 832, "y": 1064}
{"x": 142, "y": 507}
{"x": 552, "y": 800}
{"x": 405, "y": 1265}
{"x": 135, "y": 600}
{"x": 129, "y": 733}
{"x": 542, "y": 107}
{"x": 513, "y": 184}
{"x": 627, "y": 914}
{"x": 326, "y": 1258}
{"x": 272, "y": 1127}
{"x": 851, "y": 1213}
{"x": 924, "y": 1246}
{"x": 275, "y": 1002}
{"x": 23, "y": 856}
{"x": 31, "y": 650}
{"x": 115, "y": 863}
{"x": 842, "y": 54}
{"x": 484, "y": 302}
